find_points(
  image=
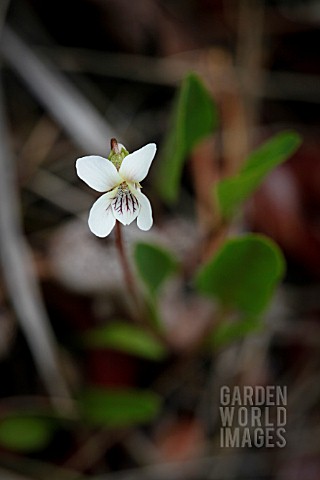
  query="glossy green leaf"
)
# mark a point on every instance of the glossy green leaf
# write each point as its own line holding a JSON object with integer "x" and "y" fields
{"x": 118, "y": 408}
{"x": 127, "y": 338}
{"x": 194, "y": 118}
{"x": 154, "y": 265}
{"x": 243, "y": 274}
{"x": 25, "y": 433}
{"x": 232, "y": 191}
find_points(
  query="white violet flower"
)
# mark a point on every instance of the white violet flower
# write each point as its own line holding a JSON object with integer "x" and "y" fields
{"x": 119, "y": 176}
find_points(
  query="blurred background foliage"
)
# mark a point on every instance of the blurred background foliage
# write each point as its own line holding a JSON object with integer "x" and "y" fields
{"x": 228, "y": 278}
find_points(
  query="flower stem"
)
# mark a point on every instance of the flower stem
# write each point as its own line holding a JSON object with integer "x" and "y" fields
{"x": 128, "y": 277}
{"x": 140, "y": 313}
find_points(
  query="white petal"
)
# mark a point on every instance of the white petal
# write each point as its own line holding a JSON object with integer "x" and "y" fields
{"x": 98, "y": 172}
{"x": 101, "y": 219}
{"x": 125, "y": 206}
{"x": 135, "y": 166}
{"x": 144, "y": 220}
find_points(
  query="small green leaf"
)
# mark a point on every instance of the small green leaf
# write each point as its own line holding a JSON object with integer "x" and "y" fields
{"x": 232, "y": 191}
{"x": 273, "y": 152}
{"x": 25, "y": 433}
{"x": 154, "y": 265}
{"x": 194, "y": 118}
{"x": 153, "y": 313}
{"x": 243, "y": 274}
{"x": 228, "y": 332}
{"x": 118, "y": 408}
{"x": 127, "y": 338}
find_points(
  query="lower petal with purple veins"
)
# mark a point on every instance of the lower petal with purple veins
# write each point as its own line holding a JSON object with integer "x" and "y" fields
{"x": 125, "y": 205}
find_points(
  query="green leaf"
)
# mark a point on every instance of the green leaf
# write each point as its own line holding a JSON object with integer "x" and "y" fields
{"x": 194, "y": 118}
{"x": 25, "y": 433}
{"x": 243, "y": 274}
{"x": 127, "y": 338}
{"x": 118, "y": 408}
{"x": 231, "y": 192}
{"x": 153, "y": 313}
{"x": 154, "y": 265}
{"x": 228, "y": 332}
